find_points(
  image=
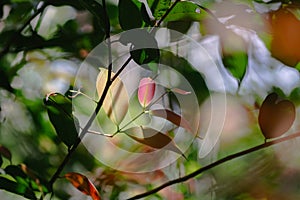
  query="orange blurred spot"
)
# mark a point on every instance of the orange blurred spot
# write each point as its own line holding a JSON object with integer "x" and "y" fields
{"x": 285, "y": 29}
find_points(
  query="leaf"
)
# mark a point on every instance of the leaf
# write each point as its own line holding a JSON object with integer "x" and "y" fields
{"x": 185, "y": 11}
{"x": 129, "y": 14}
{"x": 146, "y": 91}
{"x": 180, "y": 91}
{"x": 154, "y": 139}
{"x": 60, "y": 114}
{"x": 16, "y": 188}
{"x": 26, "y": 180}
{"x": 83, "y": 184}
{"x": 185, "y": 68}
{"x": 159, "y": 7}
{"x": 172, "y": 117}
{"x": 144, "y": 48}
{"x": 116, "y": 102}
{"x": 236, "y": 63}
{"x": 5, "y": 152}
{"x": 180, "y": 27}
{"x": 276, "y": 116}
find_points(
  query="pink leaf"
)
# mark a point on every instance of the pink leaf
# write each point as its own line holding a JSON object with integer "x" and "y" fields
{"x": 146, "y": 91}
{"x": 180, "y": 91}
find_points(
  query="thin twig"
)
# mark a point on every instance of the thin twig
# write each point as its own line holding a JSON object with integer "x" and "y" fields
{"x": 215, "y": 164}
{"x": 105, "y": 91}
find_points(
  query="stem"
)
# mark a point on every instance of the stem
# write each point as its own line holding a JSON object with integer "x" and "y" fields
{"x": 14, "y": 37}
{"x": 108, "y": 84}
{"x": 98, "y": 107}
{"x": 217, "y": 163}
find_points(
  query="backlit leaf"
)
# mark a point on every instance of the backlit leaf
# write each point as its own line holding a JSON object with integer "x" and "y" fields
{"x": 185, "y": 11}
{"x": 159, "y": 7}
{"x": 276, "y": 116}
{"x": 83, "y": 184}
{"x": 116, "y": 102}
{"x": 154, "y": 139}
{"x": 172, "y": 117}
{"x": 236, "y": 63}
{"x": 60, "y": 114}
{"x": 146, "y": 91}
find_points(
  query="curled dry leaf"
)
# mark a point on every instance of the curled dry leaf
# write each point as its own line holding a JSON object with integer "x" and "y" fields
{"x": 116, "y": 102}
{"x": 146, "y": 91}
{"x": 154, "y": 139}
{"x": 276, "y": 116}
{"x": 83, "y": 184}
{"x": 172, "y": 117}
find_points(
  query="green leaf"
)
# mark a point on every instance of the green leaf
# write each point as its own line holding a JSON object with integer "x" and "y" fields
{"x": 236, "y": 63}
{"x": 130, "y": 16}
{"x": 181, "y": 65}
{"x": 144, "y": 48}
{"x": 154, "y": 139}
{"x": 185, "y": 11}
{"x": 179, "y": 26}
{"x": 159, "y": 7}
{"x": 4, "y": 80}
{"x": 60, "y": 114}
{"x": 16, "y": 188}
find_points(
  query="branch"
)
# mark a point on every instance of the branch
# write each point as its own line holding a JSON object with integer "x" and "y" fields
{"x": 216, "y": 163}
{"x": 85, "y": 130}
{"x": 14, "y": 37}
{"x": 101, "y": 101}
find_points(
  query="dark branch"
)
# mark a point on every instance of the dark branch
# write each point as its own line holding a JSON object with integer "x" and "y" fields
{"x": 217, "y": 163}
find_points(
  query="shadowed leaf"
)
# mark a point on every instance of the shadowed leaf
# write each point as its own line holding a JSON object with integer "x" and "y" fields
{"x": 60, "y": 114}
{"x": 144, "y": 47}
{"x": 5, "y": 152}
{"x": 130, "y": 16}
{"x": 154, "y": 139}
{"x": 276, "y": 116}
{"x": 172, "y": 117}
{"x": 83, "y": 184}
{"x": 16, "y": 188}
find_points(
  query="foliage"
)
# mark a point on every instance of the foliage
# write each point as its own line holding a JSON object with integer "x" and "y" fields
{"x": 226, "y": 72}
